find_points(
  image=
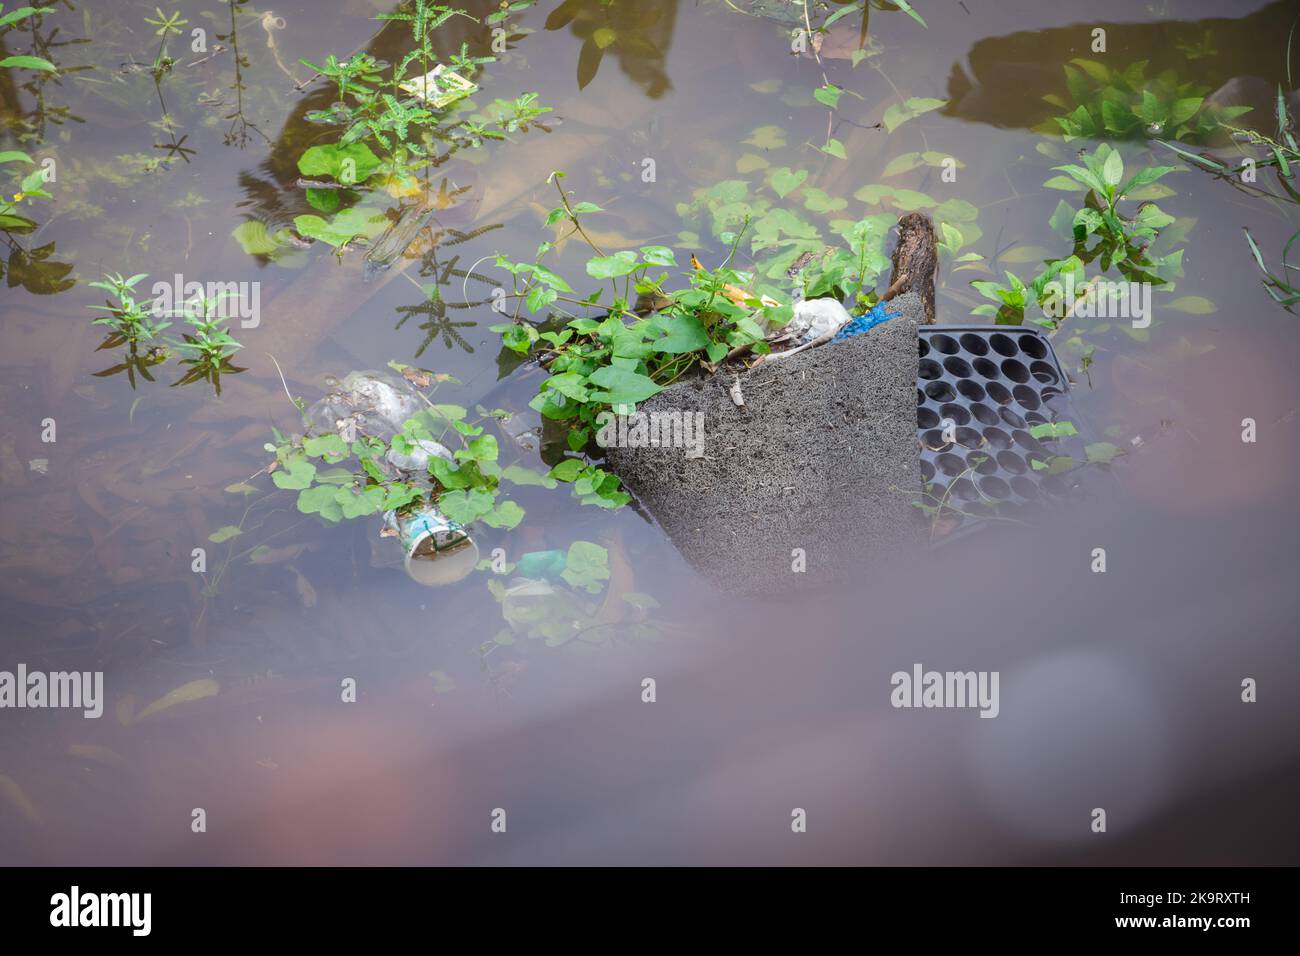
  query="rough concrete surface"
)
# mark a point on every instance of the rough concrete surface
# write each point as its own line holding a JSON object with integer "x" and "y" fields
{"x": 822, "y": 457}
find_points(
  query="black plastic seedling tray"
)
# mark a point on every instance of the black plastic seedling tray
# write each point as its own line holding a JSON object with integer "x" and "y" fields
{"x": 980, "y": 390}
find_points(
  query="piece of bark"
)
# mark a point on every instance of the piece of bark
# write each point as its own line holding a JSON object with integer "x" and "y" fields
{"x": 916, "y": 260}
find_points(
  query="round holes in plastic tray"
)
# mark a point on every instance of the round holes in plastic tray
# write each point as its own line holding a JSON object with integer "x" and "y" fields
{"x": 981, "y": 390}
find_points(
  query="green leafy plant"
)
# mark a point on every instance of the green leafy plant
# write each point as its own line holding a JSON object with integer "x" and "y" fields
{"x": 1099, "y": 231}
{"x": 208, "y": 346}
{"x": 1280, "y": 288}
{"x": 1109, "y": 103}
{"x": 24, "y": 61}
{"x": 167, "y": 25}
{"x": 647, "y": 338}
{"x": 127, "y": 319}
{"x": 1279, "y": 152}
{"x": 32, "y": 187}
{"x": 1102, "y": 175}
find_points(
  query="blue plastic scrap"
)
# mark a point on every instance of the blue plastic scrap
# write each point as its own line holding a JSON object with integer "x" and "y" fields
{"x": 865, "y": 323}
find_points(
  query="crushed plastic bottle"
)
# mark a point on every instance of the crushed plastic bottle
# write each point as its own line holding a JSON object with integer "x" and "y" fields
{"x": 365, "y": 403}
{"x": 374, "y": 404}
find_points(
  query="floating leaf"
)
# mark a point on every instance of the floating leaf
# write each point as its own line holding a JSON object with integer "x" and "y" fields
{"x": 767, "y": 137}
{"x": 506, "y": 514}
{"x": 1195, "y": 304}
{"x": 900, "y": 113}
{"x": 10, "y": 790}
{"x": 28, "y": 63}
{"x": 344, "y": 164}
{"x": 586, "y": 565}
{"x": 834, "y": 148}
{"x": 185, "y": 694}
{"x": 828, "y": 95}
{"x": 1053, "y": 430}
{"x": 323, "y": 445}
{"x": 466, "y": 506}
{"x": 520, "y": 475}
{"x": 321, "y": 500}
{"x": 567, "y": 470}
{"x": 1102, "y": 452}
{"x": 254, "y": 239}
{"x": 297, "y": 473}
{"x": 785, "y": 180}
{"x": 108, "y": 758}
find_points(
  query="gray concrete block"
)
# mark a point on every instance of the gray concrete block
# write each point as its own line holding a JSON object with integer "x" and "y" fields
{"x": 822, "y": 457}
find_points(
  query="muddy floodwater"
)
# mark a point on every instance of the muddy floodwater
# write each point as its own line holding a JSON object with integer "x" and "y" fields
{"x": 276, "y": 689}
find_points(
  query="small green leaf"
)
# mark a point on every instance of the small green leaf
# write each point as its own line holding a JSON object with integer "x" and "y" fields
{"x": 586, "y": 566}
{"x": 828, "y": 95}
{"x": 685, "y": 334}
{"x": 834, "y": 148}
{"x": 900, "y": 113}
{"x": 1195, "y": 304}
{"x": 344, "y": 164}
{"x": 331, "y": 445}
{"x": 1102, "y": 452}
{"x": 622, "y": 386}
{"x": 567, "y": 470}
{"x": 767, "y": 137}
{"x": 1053, "y": 430}
{"x": 28, "y": 63}
{"x": 519, "y": 475}
{"x": 225, "y": 534}
{"x": 464, "y": 507}
{"x": 1113, "y": 169}
{"x": 658, "y": 256}
{"x": 785, "y": 180}
{"x": 611, "y": 267}
{"x": 448, "y": 475}
{"x": 506, "y": 514}
{"x": 297, "y": 473}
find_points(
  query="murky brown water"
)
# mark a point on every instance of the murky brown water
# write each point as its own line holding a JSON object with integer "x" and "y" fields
{"x": 1121, "y": 694}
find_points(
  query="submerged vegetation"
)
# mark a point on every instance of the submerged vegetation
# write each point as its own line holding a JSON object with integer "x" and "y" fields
{"x": 1109, "y": 103}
